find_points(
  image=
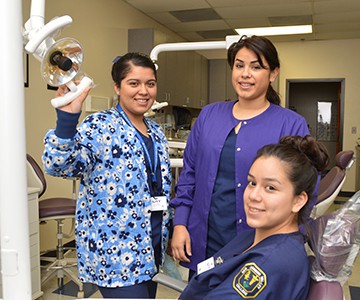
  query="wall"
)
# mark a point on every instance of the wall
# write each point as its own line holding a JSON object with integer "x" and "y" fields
{"x": 102, "y": 29}
{"x": 327, "y": 59}
{"x": 102, "y": 26}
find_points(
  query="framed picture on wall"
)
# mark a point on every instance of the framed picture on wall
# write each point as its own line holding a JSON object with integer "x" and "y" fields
{"x": 26, "y": 70}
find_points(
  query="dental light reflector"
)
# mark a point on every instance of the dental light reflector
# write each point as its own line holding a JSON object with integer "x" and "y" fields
{"x": 62, "y": 62}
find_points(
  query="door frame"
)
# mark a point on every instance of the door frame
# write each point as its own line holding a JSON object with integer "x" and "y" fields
{"x": 318, "y": 80}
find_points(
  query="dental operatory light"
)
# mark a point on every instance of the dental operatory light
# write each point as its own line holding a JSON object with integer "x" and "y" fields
{"x": 229, "y": 40}
{"x": 275, "y": 30}
{"x": 60, "y": 60}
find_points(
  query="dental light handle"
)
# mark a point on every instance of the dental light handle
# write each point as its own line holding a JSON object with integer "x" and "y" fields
{"x": 75, "y": 91}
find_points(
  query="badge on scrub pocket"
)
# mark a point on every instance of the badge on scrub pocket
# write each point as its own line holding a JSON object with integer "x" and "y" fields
{"x": 158, "y": 203}
{"x": 205, "y": 265}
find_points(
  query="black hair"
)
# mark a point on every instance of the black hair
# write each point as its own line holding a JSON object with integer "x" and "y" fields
{"x": 262, "y": 47}
{"x": 122, "y": 65}
{"x": 305, "y": 158}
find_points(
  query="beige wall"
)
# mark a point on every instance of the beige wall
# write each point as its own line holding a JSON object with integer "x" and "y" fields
{"x": 327, "y": 59}
{"x": 101, "y": 27}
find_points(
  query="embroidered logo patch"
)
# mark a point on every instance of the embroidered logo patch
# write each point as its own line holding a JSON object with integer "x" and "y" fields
{"x": 250, "y": 281}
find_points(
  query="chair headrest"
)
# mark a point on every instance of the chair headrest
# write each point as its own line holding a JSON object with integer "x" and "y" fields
{"x": 343, "y": 158}
{"x": 35, "y": 176}
{"x": 329, "y": 183}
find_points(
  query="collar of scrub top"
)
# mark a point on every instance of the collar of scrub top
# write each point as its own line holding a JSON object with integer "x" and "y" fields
{"x": 152, "y": 162}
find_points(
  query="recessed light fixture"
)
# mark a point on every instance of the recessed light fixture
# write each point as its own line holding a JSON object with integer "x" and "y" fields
{"x": 275, "y": 30}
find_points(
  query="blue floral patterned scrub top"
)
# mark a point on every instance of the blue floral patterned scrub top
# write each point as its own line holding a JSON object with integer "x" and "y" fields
{"x": 113, "y": 217}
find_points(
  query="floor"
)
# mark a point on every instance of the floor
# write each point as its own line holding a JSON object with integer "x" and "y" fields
{"x": 166, "y": 293}
{"x": 51, "y": 292}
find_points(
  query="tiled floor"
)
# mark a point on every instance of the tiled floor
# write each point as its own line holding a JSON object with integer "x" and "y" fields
{"x": 166, "y": 293}
{"x": 51, "y": 286}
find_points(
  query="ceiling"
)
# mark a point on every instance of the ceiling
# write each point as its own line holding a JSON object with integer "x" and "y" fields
{"x": 208, "y": 20}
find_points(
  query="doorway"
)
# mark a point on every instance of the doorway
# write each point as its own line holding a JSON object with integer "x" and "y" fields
{"x": 321, "y": 103}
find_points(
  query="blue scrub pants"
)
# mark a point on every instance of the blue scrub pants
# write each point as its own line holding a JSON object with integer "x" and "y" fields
{"x": 145, "y": 290}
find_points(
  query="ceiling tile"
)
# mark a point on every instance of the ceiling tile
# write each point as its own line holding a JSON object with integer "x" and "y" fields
{"x": 353, "y": 16}
{"x": 245, "y": 3}
{"x": 198, "y": 26}
{"x": 216, "y": 34}
{"x": 164, "y": 17}
{"x": 249, "y": 22}
{"x": 149, "y": 6}
{"x": 291, "y": 20}
{"x": 266, "y": 10}
{"x": 193, "y": 15}
{"x": 336, "y": 6}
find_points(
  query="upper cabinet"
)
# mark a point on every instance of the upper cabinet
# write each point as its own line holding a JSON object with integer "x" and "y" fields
{"x": 182, "y": 75}
{"x": 220, "y": 85}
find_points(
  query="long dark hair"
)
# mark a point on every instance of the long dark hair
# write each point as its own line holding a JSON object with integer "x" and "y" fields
{"x": 305, "y": 158}
{"x": 122, "y": 65}
{"x": 262, "y": 47}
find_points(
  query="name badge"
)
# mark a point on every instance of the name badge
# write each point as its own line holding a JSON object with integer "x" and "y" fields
{"x": 205, "y": 265}
{"x": 158, "y": 203}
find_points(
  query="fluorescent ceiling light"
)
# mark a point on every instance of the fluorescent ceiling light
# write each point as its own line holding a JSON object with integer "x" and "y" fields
{"x": 276, "y": 30}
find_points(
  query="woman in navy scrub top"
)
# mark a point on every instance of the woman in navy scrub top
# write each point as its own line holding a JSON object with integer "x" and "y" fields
{"x": 268, "y": 261}
{"x": 122, "y": 216}
{"x": 209, "y": 208}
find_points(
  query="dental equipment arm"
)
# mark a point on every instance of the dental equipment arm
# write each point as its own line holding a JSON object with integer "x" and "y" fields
{"x": 54, "y": 56}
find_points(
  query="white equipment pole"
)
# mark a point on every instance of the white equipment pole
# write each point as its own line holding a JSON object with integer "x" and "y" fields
{"x": 14, "y": 225}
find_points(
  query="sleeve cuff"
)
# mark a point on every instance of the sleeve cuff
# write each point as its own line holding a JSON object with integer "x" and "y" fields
{"x": 181, "y": 215}
{"x": 66, "y": 124}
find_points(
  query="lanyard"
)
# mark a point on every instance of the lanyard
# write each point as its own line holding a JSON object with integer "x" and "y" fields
{"x": 152, "y": 162}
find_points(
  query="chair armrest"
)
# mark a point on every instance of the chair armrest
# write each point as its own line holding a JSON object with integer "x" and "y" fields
{"x": 170, "y": 282}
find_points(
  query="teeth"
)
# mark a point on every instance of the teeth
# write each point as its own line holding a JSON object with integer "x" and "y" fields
{"x": 254, "y": 209}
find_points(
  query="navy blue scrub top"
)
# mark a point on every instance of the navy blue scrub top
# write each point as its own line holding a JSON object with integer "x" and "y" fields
{"x": 222, "y": 215}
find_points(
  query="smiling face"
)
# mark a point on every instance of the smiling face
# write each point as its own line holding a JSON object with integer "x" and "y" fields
{"x": 250, "y": 80}
{"x": 270, "y": 204}
{"x": 137, "y": 92}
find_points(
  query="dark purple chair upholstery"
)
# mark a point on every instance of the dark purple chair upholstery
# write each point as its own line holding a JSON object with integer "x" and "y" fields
{"x": 325, "y": 290}
{"x": 56, "y": 209}
{"x": 330, "y": 185}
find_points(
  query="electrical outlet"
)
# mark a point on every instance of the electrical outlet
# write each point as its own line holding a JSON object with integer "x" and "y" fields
{"x": 353, "y": 130}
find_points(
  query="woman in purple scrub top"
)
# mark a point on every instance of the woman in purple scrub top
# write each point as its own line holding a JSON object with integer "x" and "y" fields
{"x": 209, "y": 207}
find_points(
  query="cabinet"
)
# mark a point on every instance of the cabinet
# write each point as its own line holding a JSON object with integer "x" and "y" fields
{"x": 220, "y": 85}
{"x": 33, "y": 204}
{"x": 33, "y": 207}
{"x": 182, "y": 75}
{"x": 184, "y": 79}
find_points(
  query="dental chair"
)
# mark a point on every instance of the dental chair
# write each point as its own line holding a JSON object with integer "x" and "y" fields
{"x": 56, "y": 209}
{"x": 335, "y": 242}
{"x": 322, "y": 290}
{"x": 331, "y": 184}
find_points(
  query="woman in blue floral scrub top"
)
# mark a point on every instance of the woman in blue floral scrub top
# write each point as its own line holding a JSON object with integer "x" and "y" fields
{"x": 122, "y": 215}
